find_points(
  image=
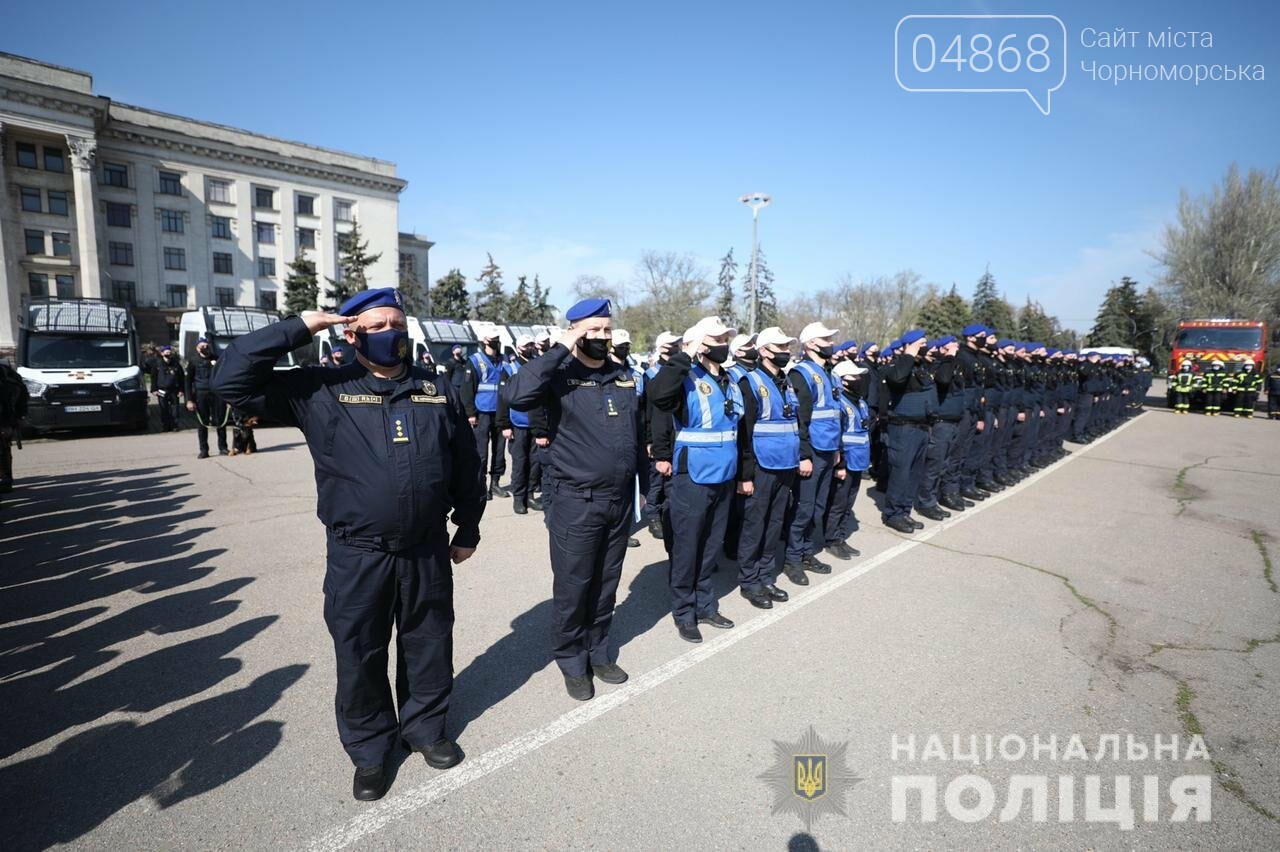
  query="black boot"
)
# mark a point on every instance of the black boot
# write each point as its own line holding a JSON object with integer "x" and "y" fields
{"x": 497, "y": 490}
{"x": 519, "y": 506}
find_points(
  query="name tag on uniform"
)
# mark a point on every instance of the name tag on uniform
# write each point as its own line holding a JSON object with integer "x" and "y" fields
{"x": 417, "y": 397}
{"x": 582, "y": 383}
{"x": 360, "y": 398}
{"x": 625, "y": 383}
{"x": 399, "y": 434}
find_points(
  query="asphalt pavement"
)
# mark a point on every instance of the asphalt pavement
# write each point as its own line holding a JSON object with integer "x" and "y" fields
{"x": 167, "y": 679}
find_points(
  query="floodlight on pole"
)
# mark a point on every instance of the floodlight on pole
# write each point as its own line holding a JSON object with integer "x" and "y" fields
{"x": 755, "y": 200}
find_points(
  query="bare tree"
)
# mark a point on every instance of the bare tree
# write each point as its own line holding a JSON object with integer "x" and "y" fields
{"x": 875, "y": 309}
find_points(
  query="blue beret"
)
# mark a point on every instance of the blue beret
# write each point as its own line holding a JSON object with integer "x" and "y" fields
{"x": 943, "y": 341}
{"x": 202, "y": 339}
{"x": 912, "y": 336}
{"x": 588, "y": 308}
{"x": 1003, "y": 342}
{"x": 973, "y": 328}
{"x": 848, "y": 344}
{"x": 165, "y": 348}
{"x": 377, "y": 297}
{"x": 895, "y": 343}
{"x": 991, "y": 331}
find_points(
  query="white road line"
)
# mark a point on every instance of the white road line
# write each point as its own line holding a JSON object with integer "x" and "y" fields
{"x": 403, "y": 804}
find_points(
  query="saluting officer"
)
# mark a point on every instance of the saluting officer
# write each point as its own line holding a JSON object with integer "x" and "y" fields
{"x": 392, "y": 450}
{"x": 702, "y": 466}
{"x": 480, "y": 396}
{"x": 911, "y": 401}
{"x": 590, "y": 460}
{"x": 168, "y": 381}
{"x": 656, "y": 496}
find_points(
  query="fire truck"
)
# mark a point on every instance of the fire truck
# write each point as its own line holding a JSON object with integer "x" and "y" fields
{"x": 1230, "y": 341}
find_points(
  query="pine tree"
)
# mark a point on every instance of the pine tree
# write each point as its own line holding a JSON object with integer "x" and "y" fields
{"x": 449, "y": 298}
{"x": 301, "y": 286}
{"x": 411, "y": 291}
{"x": 1118, "y": 316}
{"x": 990, "y": 307}
{"x": 353, "y": 261}
{"x": 520, "y": 308}
{"x": 767, "y": 305}
{"x": 543, "y": 312}
{"x": 491, "y": 300}
{"x": 1034, "y": 325}
{"x": 726, "y": 300}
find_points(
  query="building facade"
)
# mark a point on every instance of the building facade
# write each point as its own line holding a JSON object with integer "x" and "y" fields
{"x": 415, "y": 266}
{"x": 107, "y": 200}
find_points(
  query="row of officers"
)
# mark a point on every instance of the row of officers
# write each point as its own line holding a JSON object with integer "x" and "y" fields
{"x": 750, "y": 458}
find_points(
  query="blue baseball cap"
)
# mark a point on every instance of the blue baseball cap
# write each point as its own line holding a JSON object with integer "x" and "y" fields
{"x": 588, "y": 308}
{"x": 365, "y": 300}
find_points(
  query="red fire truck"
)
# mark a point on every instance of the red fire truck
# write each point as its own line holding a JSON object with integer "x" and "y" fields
{"x": 1231, "y": 341}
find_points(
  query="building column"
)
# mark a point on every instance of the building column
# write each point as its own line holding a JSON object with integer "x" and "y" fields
{"x": 84, "y": 150}
{"x": 10, "y": 286}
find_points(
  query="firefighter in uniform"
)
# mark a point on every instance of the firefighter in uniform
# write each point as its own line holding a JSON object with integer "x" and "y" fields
{"x": 1183, "y": 383}
{"x": 393, "y": 454}
{"x": 1248, "y": 385}
{"x": 1214, "y": 384}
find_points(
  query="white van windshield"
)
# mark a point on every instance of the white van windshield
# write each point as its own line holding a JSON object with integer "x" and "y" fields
{"x": 77, "y": 352}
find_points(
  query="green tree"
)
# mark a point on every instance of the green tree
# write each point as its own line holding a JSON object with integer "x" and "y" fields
{"x": 767, "y": 312}
{"x": 449, "y": 298}
{"x": 944, "y": 314}
{"x": 544, "y": 313}
{"x": 412, "y": 292}
{"x": 1033, "y": 324}
{"x": 990, "y": 307}
{"x": 491, "y": 299}
{"x": 520, "y": 308}
{"x": 353, "y": 262}
{"x": 726, "y": 306}
{"x": 301, "y": 285}
{"x": 1116, "y": 322}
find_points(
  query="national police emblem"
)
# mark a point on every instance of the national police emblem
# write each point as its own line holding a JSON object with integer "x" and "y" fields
{"x": 704, "y": 388}
{"x": 429, "y": 388}
{"x": 810, "y": 777}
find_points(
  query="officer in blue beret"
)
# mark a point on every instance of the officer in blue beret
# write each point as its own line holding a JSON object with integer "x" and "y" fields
{"x": 592, "y": 413}
{"x": 973, "y": 362}
{"x": 941, "y": 483}
{"x": 912, "y": 406}
{"x": 393, "y": 453}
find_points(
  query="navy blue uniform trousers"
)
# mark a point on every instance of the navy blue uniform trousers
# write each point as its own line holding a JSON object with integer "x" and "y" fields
{"x": 807, "y": 536}
{"x": 762, "y": 518}
{"x": 840, "y": 517}
{"x": 907, "y": 446}
{"x": 697, "y": 515}
{"x": 366, "y": 593}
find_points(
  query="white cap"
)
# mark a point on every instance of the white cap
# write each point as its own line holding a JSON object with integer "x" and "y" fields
{"x": 665, "y": 338}
{"x": 773, "y": 336}
{"x": 523, "y": 340}
{"x": 847, "y": 368}
{"x": 541, "y": 336}
{"x": 742, "y": 341}
{"x": 814, "y": 330}
{"x": 621, "y": 336}
{"x": 707, "y": 327}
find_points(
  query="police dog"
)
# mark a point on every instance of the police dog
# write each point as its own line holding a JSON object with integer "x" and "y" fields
{"x": 242, "y": 442}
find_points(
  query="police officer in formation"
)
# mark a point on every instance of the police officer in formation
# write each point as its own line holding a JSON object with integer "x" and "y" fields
{"x": 209, "y": 410}
{"x": 394, "y": 454}
{"x": 14, "y": 399}
{"x": 515, "y": 428}
{"x": 480, "y": 396}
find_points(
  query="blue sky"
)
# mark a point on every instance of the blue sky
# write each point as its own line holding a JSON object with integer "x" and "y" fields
{"x": 569, "y": 137}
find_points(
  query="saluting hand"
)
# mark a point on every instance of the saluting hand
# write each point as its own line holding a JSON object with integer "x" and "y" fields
{"x": 569, "y": 339}
{"x": 318, "y": 321}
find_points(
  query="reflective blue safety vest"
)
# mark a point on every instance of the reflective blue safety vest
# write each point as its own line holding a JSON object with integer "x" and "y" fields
{"x": 824, "y": 423}
{"x": 736, "y": 372}
{"x": 487, "y": 375}
{"x": 639, "y": 376}
{"x": 519, "y": 419}
{"x": 709, "y": 436}
{"x": 855, "y": 440}
{"x": 776, "y": 437}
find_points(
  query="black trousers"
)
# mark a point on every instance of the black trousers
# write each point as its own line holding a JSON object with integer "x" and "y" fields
{"x": 366, "y": 593}
{"x": 698, "y": 515}
{"x": 168, "y": 409}
{"x": 6, "y": 459}
{"x": 907, "y": 446}
{"x": 840, "y": 517}
{"x": 942, "y": 437}
{"x": 491, "y": 445}
{"x": 211, "y": 412}
{"x": 763, "y": 513}
{"x": 806, "y": 537}
{"x": 522, "y": 463}
{"x": 588, "y": 536}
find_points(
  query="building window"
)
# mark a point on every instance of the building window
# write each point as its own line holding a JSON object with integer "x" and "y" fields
{"x": 177, "y": 295}
{"x": 344, "y": 242}
{"x": 54, "y": 161}
{"x": 38, "y": 284}
{"x": 125, "y": 292}
{"x": 61, "y": 244}
{"x": 267, "y": 300}
{"x": 30, "y": 199}
{"x": 307, "y": 238}
{"x": 170, "y": 184}
{"x": 222, "y": 262}
{"x": 344, "y": 211}
{"x": 264, "y": 197}
{"x": 26, "y": 156}
{"x": 306, "y": 205}
{"x": 171, "y": 221}
{"x": 119, "y": 215}
{"x": 35, "y": 241}
{"x": 120, "y": 254}
{"x": 115, "y": 174}
{"x": 66, "y": 285}
{"x": 265, "y": 233}
{"x": 57, "y": 203}
{"x": 219, "y": 190}
{"x": 406, "y": 264}
{"x": 266, "y": 267}
{"x": 225, "y": 296}
{"x": 222, "y": 227}
{"x": 175, "y": 258}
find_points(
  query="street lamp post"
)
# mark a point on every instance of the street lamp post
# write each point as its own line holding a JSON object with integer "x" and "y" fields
{"x": 755, "y": 200}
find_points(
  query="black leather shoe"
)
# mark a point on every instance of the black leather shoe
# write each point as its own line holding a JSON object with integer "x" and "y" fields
{"x": 759, "y": 600}
{"x": 519, "y": 506}
{"x": 795, "y": 573}
{"x": 990, "y": 486}
{"x": 814, "y": 565}
{"x": 974, "y": 494}
{"x": 633, "y": 542}
{"x": 775, "y": 593}
{"x": 655, "y": 529}
{"x": 916, "y": 523}
{"x": 444, "y": 754}
{"x": 952, "y": 502}
{"x": 610, "y": 673}
{"x": 689, "y": 633}
{"x": 535, "y": 504}
{"x": 837, "y": 551}
{"x": 222, "y": 451}
{"x": 933, "y": 513}
{"x": 498, "y": 490}
{"x": 847, "y": 549}
{"x": 901, "y": 524}
{"x": 716, "y": 620}
{"x": 580, "y": 688}
{"x": 203, "y": 454}
{"x": 370, "y": 783}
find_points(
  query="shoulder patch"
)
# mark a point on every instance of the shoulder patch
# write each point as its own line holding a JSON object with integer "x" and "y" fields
{"x": 360, "y": 398}
{"x": 436, "y": 400}
{"x": 625, "y": 383}
{"x": 581, "y": 383}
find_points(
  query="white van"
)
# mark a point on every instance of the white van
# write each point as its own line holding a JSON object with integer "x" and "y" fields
{"x": 222, "y": 324}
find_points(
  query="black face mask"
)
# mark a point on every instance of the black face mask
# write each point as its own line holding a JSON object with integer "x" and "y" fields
{"x": 664, "y": 354}
{"x": 529, "y": 353}
{"x": 622, "y": 352}
{"x": 492, "y": 347}
{"x": 595, "y": 348}
{"x": 750, "y": 357}
{"x": 718, "y": 353}
{"x": 780, "y": 359}
{"x": 824, "y": 352}
{"x": 856, "y": 387}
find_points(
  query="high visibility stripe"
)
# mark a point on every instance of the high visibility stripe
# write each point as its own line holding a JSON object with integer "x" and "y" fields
{"x": 689, "y": 436}
{"x": 776, "y": 428}
{"x": 824, "y": 414}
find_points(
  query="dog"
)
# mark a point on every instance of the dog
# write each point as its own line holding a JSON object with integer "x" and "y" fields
{"x": 242, "y": 442}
